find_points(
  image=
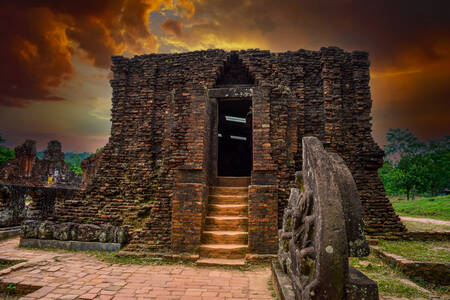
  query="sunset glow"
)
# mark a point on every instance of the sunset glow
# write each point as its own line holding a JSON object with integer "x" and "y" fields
{"x": 55, "y": 55}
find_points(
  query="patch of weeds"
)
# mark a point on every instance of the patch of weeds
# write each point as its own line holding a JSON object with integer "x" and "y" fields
{"x": 113, "y": 258}
{"x": 11, "y": 289}
{"x": 4, "y": 264}
{"x": 431, "y": 251}
{"x": 271, "y": 289}
{"x": 391, "y": 282}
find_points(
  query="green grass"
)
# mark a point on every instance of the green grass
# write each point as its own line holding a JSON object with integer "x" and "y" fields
{"x": 113, "y": 258}
{"x": 432, "y": 251}
{"x": 433, "y": 207}
{"x": 389, "y": 280}
{"x": 420, "y": 226}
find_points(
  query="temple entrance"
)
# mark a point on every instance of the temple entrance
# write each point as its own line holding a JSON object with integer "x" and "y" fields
{"x": 235, "y": 138}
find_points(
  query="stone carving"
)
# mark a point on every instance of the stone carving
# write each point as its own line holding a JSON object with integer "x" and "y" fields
{"x": 322, "y": 227}
{"x": 33, "y": 229}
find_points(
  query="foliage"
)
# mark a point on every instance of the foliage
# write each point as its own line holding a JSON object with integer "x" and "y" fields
{"x": 5, "y": 152}
{"x": 414, "y": 167}
{"x": 391, "y": 178}
{"x": 74, "y": 162}
{"x": 11, "y": 288}
{"x": 403, "y": 142}
{"x": 435, "y": 207}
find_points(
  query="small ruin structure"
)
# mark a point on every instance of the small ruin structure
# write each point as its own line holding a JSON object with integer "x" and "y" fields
{"x": 30, "y": 187}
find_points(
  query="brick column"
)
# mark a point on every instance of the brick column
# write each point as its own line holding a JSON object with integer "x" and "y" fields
{"x": 188, "y": 210}
{"x": 263, "y": 191}
{"x": 263, "y": 219}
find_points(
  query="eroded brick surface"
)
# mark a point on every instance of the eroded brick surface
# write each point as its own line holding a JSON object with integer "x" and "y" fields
{"x": 161, "y": 127}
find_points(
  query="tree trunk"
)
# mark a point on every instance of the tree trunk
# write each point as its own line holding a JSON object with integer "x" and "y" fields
{"x": 407, "y": 194}
{"x": 414, "y": 193}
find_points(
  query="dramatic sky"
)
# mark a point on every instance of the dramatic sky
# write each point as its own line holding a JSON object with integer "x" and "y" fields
{"x": 55, "y": 55}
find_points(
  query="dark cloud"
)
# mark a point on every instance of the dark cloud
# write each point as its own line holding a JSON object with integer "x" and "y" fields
{"x": 174, "y": 27}
{"x": 40, "y": 37}
{"x": 388, "y": 29}
{"x": 408, "y": 41}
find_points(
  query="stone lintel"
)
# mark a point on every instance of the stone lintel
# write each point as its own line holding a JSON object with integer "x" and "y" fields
{"x": 231, "y": 92}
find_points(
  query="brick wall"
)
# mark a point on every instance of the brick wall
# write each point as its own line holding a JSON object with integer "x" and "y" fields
{"x": 161, "y": 122}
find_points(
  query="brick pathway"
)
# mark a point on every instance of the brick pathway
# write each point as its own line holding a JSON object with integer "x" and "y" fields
{"x": 65, "y": 275}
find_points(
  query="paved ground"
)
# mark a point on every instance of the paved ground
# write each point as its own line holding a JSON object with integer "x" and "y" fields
{"x": 78, "y": 276}
{"x": 72, "y": 275}
{"x": 425, "y": 220}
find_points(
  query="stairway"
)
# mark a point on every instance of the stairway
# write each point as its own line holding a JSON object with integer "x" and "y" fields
{"x": 225, "y": 237}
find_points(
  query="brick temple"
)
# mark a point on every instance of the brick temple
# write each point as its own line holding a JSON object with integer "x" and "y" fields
{"x": 204, "y": 147}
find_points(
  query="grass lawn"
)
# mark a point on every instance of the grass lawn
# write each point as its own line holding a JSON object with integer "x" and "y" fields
{"x": 433, "y": 207}
{"x": 390, "y": 282}
{"x": 433, "y": 251}
{"x": 420, "y": 226}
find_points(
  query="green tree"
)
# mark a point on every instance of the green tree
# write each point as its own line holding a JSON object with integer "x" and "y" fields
{"x": 412, "y": 166}
{"x": 403, "y": 143}
{"x": 5, "y": 152}
{"x": 413, "y": 174}
{"x": 391, "y": 177}
{"x": 74, "y": 162}
{"x": 439, "y": 173}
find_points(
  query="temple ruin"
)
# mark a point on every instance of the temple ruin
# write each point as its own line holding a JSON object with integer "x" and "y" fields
{"x": 27, "y": 169}
{"x": 204, "y": 147}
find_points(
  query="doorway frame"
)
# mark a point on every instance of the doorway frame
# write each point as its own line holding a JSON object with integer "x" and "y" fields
{"x": 215, "y": 95}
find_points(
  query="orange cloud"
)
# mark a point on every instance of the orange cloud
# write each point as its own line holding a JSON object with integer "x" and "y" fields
{"x": 173, "y": 27}
{"x": 39, "y": 39}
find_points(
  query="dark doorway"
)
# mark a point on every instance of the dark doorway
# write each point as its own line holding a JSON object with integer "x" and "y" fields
{"x": 235, "y": 138}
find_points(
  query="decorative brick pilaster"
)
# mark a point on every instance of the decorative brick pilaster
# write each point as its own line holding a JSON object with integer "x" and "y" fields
{"x": 188, "y": 210}
{"x": 263, "y": 219}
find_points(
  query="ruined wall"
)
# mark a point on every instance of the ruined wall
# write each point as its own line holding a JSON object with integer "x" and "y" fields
{"x": 160, "y": 124}
{"x": 20, "y": 202}
{"x": 90, "y": 167}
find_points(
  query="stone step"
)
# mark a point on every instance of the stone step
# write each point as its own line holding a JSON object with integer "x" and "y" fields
{"x": 229, "y": 190}
{"x": 233, "y": 181}
{"x": 228, "y": 199}
{"x": 225, "y": 223}
{"x": 225, "y": 237}
{"x": 228, "y": 210}
{"x": 220, "y": 262}
{"x": 223, "y": 251}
